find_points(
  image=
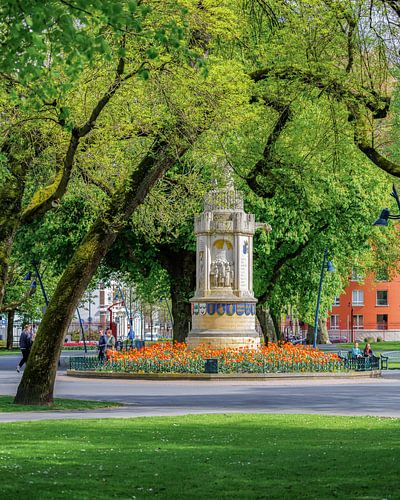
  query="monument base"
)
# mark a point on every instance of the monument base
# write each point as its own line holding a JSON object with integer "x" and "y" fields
{"x": 223, "y": 322}
{"x": 221, "y": 340}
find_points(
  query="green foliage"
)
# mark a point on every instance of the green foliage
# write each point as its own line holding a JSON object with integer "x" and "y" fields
{"x": 194, "y": 63}
{"x": 55, "y": 41}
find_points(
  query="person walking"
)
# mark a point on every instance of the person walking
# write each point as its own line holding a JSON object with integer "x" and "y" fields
{"x": 131, "y": 336}
{"x": 102, "y": 345}
{"x": 25, "y": 344}
{"x": 110, "y": 340}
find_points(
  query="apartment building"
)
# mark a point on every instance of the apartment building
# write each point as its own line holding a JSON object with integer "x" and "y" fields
{"x": 368, "y": 307}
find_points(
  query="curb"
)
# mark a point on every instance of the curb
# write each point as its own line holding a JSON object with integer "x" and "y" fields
{"x": 220, "y": 376}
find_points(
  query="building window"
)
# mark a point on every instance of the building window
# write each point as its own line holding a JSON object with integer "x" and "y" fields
{"x": 356, "y": 275}
{"x": 381, "y": 321}
{"x": 335, "y": 322}
{"x": 381, "y": 298}
{"x": 336, "y": 301}
{"x": 358, "y": 298}
{"x": 358, "y": 321}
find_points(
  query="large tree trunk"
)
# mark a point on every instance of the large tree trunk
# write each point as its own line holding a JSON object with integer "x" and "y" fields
{"x": 276, "y": 319}
{"x": 181, "y": 267}
{"x": 266, "y": 323}
{"x": 323, "y": 336}
{"x": 37, "y": 384}
{"x": 10, "y": 328}
{"x": 310, "y": 335}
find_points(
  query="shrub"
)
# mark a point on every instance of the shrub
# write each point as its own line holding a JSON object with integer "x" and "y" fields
{"x": 368, "y": 340}
{"x": 379, "y": 339}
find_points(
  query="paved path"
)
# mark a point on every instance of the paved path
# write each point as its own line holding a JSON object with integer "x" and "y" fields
{"x": 379, "y": 397}
{"x": 9, "y": 362}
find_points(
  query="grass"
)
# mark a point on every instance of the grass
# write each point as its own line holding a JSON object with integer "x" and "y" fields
{"x": 6, "y": 405}
{"x": 202, "y": 456}
{"x": 375, "y": 346}
{"x": 5, "y": 352}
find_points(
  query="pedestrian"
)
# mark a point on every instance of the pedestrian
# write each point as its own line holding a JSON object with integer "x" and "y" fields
{"x": 102, "y": 345}
{"x": 110, "y": 340}
{"x": 368, "y": 351}
{"x": 356, "y": 351}
{"x": 131, "y": 336}
{"x": 25, "y": 344}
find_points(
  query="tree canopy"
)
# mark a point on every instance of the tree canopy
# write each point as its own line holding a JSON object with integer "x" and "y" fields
{"x": 118, "y": 115}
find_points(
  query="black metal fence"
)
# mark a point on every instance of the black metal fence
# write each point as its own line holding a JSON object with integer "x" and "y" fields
{"x": 84, "y": 363}
{"x": 362, "y": 363}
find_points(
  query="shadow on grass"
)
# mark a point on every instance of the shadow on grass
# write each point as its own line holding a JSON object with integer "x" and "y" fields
{"x": 221, "y": 456}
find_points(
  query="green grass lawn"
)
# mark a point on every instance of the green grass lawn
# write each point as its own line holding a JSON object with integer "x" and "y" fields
{"x": 6, "y": 405}
{"x": 5, "y": 352}
{"x": 202, "y": 456}
{"x": 375, "y": 346}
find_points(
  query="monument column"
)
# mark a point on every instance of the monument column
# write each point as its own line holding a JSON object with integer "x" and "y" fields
{"x": 224, "y": 308}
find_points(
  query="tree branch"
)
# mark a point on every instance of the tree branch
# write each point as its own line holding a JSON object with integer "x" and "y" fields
{"x": 369, "y": 98}
{"x": 11, "y": 306}
{"x": 45, "y": 198}
{"x": 394, "y": 5}
{"x": 89, "y": 179}
{"x": 262, "y": 167}
{"x": 377, "y": 104}
{"x": 281, "y": 261}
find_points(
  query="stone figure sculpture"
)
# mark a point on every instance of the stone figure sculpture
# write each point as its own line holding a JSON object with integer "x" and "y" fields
{"x": 221, "y": 273}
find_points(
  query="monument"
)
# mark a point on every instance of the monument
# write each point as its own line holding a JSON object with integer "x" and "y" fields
{"x": 224, "y": 307}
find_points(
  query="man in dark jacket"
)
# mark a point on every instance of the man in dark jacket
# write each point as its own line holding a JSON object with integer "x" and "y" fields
{"x": 102, "y": 345}
{"x": 25, "y": 344}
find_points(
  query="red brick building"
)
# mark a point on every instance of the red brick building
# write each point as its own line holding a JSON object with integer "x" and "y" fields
{"x": 368, "y": 307}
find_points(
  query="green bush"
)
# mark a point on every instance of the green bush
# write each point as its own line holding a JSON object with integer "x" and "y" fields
{"x": 368, "y": 340}
{"x": 379, "y": 339}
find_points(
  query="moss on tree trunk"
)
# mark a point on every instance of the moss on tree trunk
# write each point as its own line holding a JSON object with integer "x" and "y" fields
{"x": 37, "y": 384}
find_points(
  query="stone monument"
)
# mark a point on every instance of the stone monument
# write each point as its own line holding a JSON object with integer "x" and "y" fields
{"x": 224, "y": 307}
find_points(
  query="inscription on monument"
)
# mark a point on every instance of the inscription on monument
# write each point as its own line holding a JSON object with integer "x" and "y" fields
{"x": 244, "y": 262}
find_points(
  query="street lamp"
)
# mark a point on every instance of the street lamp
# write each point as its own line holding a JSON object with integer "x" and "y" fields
{"x": 330, "y": 268}
{"x": 35, "y": 265}
{"x": 385, "y": 214}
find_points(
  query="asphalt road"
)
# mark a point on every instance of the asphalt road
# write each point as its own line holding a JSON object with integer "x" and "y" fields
{"x": 360, "y": 396}
{"x": 9, "y": 362}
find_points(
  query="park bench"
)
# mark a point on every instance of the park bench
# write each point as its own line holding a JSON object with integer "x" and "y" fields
{"x": 361, "y": 364}
{"x": 389, "y": 356}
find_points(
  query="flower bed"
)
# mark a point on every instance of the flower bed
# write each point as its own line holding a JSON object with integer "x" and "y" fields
{"x": 176, "y": 358}
{"x": 78, "y": 346}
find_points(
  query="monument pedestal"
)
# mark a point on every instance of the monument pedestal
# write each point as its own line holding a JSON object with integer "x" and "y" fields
{"x": 224, "y": 307}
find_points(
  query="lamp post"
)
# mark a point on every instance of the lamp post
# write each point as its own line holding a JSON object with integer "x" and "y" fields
{"x": 35, "y": 265}
{"x": 330, "y": 268}
{"x": 385, "y": 214}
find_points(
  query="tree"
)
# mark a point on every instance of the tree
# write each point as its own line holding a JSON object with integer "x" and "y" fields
{"x": 59, "y": 44}
{"x": 254, "y": 113}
